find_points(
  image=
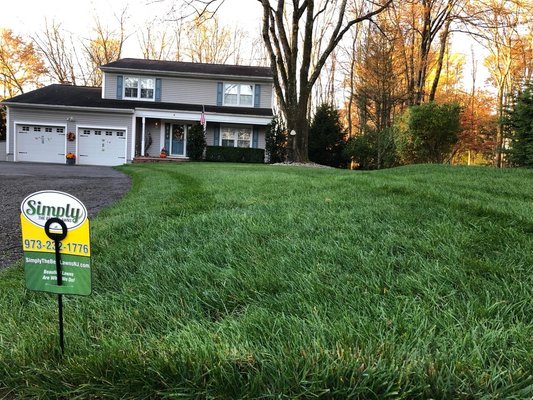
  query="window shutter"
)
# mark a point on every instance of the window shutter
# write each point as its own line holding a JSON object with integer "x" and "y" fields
{"x": 157, "y": 89}
{"x": 220, "y": 93}
{"x": 216, "y": 135}
{"x": 257, "y": 96}
{"x": 255, "y": 137}
{"x": 119, "y": 87}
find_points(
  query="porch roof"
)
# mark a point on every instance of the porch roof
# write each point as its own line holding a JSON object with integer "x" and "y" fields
{"x": 62, "y": 96}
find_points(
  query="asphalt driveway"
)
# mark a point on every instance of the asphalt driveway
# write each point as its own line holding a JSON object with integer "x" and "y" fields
{"x": 96, "y": 187}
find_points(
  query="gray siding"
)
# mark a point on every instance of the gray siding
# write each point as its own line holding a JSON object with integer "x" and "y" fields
{"x": 79, "y": 119}
{"x": 154, "y": 132}
{"x": 188, "y": 90}
{"x": 3, "y": 150}
{"x": 110, "y": 86}
{"x": 266, "y": 95}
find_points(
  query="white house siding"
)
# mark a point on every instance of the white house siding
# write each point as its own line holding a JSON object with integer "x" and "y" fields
{"x": 61, "y": 118}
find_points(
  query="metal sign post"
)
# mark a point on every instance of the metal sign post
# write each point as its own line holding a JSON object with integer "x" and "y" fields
{"x": 57, "y": 238}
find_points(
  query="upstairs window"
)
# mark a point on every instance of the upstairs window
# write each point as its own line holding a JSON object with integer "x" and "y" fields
{"x": 139, "y": 88}
{"x": 239, "y": 94}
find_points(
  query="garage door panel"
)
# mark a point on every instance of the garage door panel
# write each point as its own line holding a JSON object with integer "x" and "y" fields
{"x": 40, "y": 143}
{"x": 101, "y": 146}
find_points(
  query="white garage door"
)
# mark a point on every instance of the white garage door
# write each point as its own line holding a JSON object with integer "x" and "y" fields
{"x": 101, "y": 146}
{"x": 40, "y": 143}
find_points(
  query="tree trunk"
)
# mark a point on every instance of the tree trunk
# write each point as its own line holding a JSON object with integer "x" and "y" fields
{"x": 442, "y": 52}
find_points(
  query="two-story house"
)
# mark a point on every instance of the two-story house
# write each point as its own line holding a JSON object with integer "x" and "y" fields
{"x": 142, "y": 107}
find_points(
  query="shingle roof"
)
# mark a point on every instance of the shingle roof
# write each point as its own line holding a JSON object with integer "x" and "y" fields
{"x": 188, "y": 67}
{"x": 82, "y": 96}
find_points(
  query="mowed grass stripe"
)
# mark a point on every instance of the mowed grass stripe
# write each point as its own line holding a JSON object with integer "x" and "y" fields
{"x": 239, "y": 281}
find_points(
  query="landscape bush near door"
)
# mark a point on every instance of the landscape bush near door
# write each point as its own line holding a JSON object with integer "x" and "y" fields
{"x": 235, "y": 154}
{"x": 196, "y": 142}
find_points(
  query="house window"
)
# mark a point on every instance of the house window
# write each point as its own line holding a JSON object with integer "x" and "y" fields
{"x": 236, "y": 136}
{"x": 120, "y": 134}
{"x": 59, "y": 130}
{"x": 108, "y": 133}
{"x": 48, "y": 130}
{"x": 36, "y": 129}
{"x": 26, "y": 128}
{"x": 138, "y": 88}
{"x": 98, "y": 133}
{"x": 86, "y": 132}
{"x": 238, "y": 94}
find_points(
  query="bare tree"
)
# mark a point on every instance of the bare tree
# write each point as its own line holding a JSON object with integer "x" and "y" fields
{"x": 155, "y": 43}
{"x": 290, "y": 54}
{"x": 104, "y": 47}
{"x": 209, "y": 41}
{"x": 59, "y": 53}
{"x": 503, "y": 28}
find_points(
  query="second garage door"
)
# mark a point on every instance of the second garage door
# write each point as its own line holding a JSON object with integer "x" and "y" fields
{"x": 101, "y": 146}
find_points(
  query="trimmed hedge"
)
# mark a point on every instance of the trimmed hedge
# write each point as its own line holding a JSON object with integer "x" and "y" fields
{"x": 235, "y": 154}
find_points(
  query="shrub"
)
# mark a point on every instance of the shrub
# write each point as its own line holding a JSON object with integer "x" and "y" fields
{"x": 196, "y": 142}
{"x": 326, "y": 137}
{"x": 235, "y": 154}
{"x": 427, "y": 133}
{"x": 276, "y": 141}
{"x": 372, "y": 149}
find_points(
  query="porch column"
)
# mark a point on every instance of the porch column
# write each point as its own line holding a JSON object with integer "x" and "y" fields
{"x": 143, "y": 136}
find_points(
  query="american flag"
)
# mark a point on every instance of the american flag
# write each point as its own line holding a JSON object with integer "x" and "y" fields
{"x": 202, "y": 118}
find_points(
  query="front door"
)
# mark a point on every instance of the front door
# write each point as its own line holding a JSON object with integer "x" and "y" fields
{"x": 175, "y": 136}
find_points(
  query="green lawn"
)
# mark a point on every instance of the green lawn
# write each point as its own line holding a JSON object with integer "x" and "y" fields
{"x": 240, "y": 281}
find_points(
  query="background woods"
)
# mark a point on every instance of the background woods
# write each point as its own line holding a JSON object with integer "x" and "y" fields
{"x": 370, "y": 61}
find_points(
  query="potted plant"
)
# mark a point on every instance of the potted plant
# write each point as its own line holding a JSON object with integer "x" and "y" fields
{"x": 163, "y": 153}
{"x": 71, "y": 158}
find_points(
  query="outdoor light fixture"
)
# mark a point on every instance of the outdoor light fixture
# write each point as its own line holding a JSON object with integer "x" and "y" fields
{"x": 293, "y": 133}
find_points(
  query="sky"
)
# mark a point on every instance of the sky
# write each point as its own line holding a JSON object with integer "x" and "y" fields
{"x": 27, "y": 17}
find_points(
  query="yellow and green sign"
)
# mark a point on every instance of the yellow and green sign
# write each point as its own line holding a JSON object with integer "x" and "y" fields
{"x": 40, "y": 249}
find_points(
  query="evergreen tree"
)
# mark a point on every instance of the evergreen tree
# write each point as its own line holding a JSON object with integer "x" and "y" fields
{"x": 196, "y": 142}
{"x": 327, "y": 137}
{"x": 521, "y": 124}
{"x": 276, "y": 141}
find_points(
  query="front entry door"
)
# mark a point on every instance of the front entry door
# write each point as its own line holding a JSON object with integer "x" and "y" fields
{"x": 175, "y": 135}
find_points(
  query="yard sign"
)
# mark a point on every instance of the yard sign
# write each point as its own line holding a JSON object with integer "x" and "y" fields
{"x": 50, "y": 218}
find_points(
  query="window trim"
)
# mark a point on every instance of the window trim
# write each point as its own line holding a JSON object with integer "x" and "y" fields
{"x": 235, "y": 137}
{"x": 239, "y": 84}
{"x": 139, "y": 78}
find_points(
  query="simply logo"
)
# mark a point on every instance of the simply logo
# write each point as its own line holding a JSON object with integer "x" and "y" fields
{"x": 39, "y": 207}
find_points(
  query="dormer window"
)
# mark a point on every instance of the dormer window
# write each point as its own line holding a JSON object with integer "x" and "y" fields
{"x": 139, "y": 88}
{"x": 239, "y": 94}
